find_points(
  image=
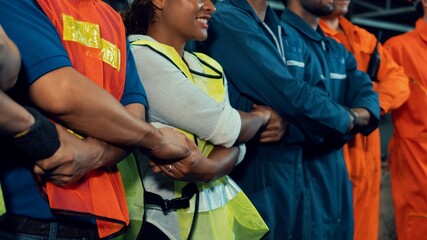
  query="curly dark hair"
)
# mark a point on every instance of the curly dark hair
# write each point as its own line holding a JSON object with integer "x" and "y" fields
{"x": 137, "y": 18}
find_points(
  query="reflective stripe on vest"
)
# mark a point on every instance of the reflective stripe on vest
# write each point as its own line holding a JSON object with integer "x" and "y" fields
{"x": 94, "y": 38}
{"x": 224, "y": 210}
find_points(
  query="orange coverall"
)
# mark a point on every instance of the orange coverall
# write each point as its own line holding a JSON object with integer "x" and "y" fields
{"x": 363, "y": 153}
{"x": 408, "y": 146}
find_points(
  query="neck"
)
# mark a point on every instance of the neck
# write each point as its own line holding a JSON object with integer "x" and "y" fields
{"x": 260, "y": 8}
{"x": 162, "y": 35}
{"x": 333, "y": 22}
{"x": 309, "y": 18}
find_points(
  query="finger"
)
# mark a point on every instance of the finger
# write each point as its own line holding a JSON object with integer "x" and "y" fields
{"x": 267, "y": 134}
{"x": 47, "y": 164}
{"x": 38, "y": 170}
{"x": 191, "y": 145}
{"x": 59, "y": 182}
{"x": 166, "y": 171}
{"x": 156, "y": 169}
{"x": 62, "y": 180}
{"x": 63, "y": 170}
{"x": 174, "y": 173}
{"x": 271, "y": 127}
{"x": 46, "y": 170}
{"x": 269, "y": 139}
{"x": 152, "y": 163}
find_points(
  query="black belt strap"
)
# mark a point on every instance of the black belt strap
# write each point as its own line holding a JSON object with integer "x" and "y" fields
{"x": 177, "y": 203}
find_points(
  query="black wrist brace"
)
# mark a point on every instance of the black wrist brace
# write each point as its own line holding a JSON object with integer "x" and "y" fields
{"x": 41, "y": 141}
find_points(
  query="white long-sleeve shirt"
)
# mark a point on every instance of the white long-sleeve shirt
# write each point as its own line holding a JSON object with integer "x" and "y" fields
{"x": 174, "y": 100}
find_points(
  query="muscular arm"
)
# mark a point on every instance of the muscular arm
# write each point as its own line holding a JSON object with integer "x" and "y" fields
{"x": 76, "y": 156}
{"x": 78, "y": 103}
{"x": 10, "y": 61}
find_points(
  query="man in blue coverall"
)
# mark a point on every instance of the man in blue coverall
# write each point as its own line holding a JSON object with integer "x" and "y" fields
{"x": 266, "y": 64}
{"x": 327, "y": 204}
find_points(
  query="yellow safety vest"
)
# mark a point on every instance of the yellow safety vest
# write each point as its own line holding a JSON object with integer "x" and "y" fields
{"x": 2, "y": 206}
{"x": 224, "y": 212}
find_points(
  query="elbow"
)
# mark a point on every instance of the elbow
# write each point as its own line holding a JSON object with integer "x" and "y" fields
{"x": 8, "y": 82}
{"x": 397, "y": 100}
{"x": 10, "y": 63}
{"x": 59, "y": 104}
{"x": 58, "y": 98}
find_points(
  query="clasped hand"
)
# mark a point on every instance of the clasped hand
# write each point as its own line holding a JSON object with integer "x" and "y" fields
{"x": 74, "y": 158}
{"x": 276, "y": 126}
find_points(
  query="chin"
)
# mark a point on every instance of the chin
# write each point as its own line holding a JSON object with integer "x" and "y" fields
{"x": 201, "y": 37}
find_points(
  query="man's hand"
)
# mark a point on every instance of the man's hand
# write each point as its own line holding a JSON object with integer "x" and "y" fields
{"x": 74, "y": 158}
{"x": 363, "y": 116}
{"x": 173, "y": 146}
{"x": 276, "y": 125}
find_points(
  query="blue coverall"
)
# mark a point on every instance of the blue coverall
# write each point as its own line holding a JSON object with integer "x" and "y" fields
{"x": 266, "y": 65}
{"x": 327, "y": 211}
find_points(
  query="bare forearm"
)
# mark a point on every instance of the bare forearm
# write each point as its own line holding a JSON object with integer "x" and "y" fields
{"x": 13, "y": 118}
{"x": 114, "y": 154}
{"x": 251, "y": 123}
{"x": 77, "y": 156}
{"x": 83, "y": 106}
{"x": 223, "y": 160}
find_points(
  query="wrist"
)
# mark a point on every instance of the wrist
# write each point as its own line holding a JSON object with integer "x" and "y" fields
{"x": 25, "y": 127}
{"x": 355, "y": 116}
{"x": 40, "y": 141}
{"x": 154, "y": 139}
{"x": 354, "y": 120}
{"x": 260, "y": 115}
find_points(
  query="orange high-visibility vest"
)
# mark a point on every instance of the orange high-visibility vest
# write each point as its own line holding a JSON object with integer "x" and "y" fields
{"x": 363, "y": 153}
{"x": 94, "y": 37}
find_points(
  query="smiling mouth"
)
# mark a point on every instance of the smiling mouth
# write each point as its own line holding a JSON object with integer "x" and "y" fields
{"x": 202, "y": 20}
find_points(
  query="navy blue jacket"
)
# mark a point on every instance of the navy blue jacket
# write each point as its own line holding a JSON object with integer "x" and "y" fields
{"x": 326, "y": 209}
